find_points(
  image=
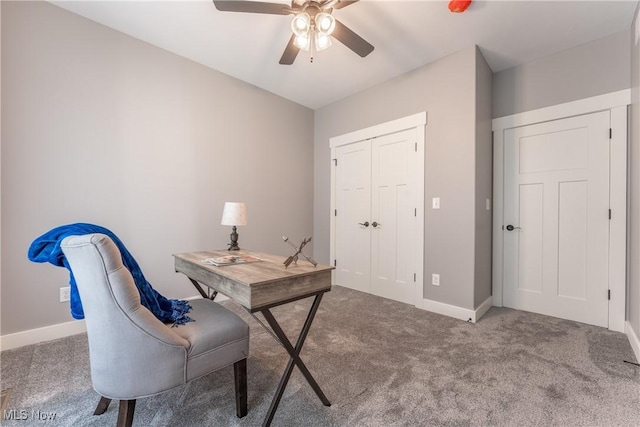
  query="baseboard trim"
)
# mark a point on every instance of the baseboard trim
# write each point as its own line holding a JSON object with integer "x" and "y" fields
{"x": 61, "y": 330}
{"x": 46, "y": 333}
{"x": 458, "y": 312}
{"x": 633, "y": 339}
{"x": 482, "y": 310}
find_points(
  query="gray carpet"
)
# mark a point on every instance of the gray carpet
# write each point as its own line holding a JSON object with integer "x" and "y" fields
{"x": 381, "y": 363}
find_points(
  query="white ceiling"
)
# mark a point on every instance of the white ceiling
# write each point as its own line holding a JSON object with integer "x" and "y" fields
{"x": 406, "y": 35}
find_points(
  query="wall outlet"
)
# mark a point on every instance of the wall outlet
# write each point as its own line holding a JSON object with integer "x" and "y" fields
{"x": 435, "y": 203}
{"x": 65, "y": 294}
{"x": 435, "y": 279}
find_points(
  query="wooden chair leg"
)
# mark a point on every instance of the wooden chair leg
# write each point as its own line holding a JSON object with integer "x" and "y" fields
{"x": 240, "y": 375}
{"x": 125, "y": 413}
{"x": 102, "y": 407}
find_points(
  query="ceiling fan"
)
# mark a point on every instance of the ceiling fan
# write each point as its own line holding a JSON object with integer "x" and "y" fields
{"x": 313, "y": 25}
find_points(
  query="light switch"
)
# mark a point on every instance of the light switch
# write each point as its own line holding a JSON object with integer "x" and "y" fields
{"x": 435, "y": 203}
{"x": 488, "y": 204}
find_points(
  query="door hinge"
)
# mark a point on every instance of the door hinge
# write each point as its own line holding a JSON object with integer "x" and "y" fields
{"x": 610, "y": 133}
{"x": 335, "y": 263}
{"x": 609, "y": 213}
{"x": 335, "y": 162}
{"x": 609, "y": 294}
{"x": 416, "y": 147}
{"x": 414, "y": 277}
{"x": 415, "y": 211}
{"x": 335, "y": 212}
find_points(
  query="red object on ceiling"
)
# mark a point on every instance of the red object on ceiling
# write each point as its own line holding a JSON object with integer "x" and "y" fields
{"x": 459, "y": 6}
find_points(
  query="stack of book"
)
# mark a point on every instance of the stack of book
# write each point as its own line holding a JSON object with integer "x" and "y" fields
{"x": 231, "y": 260}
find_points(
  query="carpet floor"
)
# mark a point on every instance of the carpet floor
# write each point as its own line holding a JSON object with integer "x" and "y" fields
{"x": 380, "y": 363}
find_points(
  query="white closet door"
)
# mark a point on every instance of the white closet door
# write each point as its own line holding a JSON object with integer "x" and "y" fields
{"x": 393, "y": 215}
{"x": 353, "y": 206}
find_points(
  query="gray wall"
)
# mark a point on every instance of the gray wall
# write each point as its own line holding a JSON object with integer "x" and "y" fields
{"x": 595, "y": 68}
{"x": 633, "y": 256}
{"x": 446, "y": 90}
{"x": 104, "y": 128}
{"x": 484, "y": 181}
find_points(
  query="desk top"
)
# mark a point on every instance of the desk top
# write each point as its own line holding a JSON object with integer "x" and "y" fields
{"x": 257, "y": 284}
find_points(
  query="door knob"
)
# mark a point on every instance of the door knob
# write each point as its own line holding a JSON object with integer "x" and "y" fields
{"x": 511, "y": 227}
{"x": 374, "y": 224}
{"x": 366, "y": 224}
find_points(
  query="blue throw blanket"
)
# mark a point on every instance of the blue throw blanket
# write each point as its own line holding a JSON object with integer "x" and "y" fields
{"x": 46, "y": 248}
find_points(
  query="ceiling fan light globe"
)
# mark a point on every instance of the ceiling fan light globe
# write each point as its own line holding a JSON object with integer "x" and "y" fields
{"x": 325, "y": 23}
{"x": 322, "y": 41}
{"x": 302, "y": 42}
{"x": 301, "y": 24}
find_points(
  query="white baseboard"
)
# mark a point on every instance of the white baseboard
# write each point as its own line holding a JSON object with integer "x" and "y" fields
{"x": 61, "y": 330}
{"x": 484, "y": 307}
{"x": 458, "y": 312}
{"x": 47, "y": 333}
{"x": 633, "y": 339}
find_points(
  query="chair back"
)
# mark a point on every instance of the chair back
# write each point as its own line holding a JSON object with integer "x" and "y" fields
{"x": 132, "y": 353}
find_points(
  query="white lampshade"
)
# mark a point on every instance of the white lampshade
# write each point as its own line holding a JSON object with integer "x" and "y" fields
{"x": 234, "y": 213}
{"x": 302, "y": 42}
{"x": 323, "y": 41}
{"x": 301, "y": 24}
{"x": 325, "y": 23}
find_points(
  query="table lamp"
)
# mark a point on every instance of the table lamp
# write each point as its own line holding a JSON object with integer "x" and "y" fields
{"x": 234, "y": 214}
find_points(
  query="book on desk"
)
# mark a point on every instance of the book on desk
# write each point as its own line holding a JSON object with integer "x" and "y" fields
{"x": 231, "y": 260}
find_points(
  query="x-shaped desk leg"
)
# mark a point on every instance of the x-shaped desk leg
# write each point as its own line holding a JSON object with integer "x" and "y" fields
{"x": 202, "y": 292}
{"x": 294, "y": 354}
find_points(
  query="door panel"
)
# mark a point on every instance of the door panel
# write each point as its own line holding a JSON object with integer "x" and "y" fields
{"x": 572, "y": 242}
{"x": 353, "y": 202}
{"x": 393, "y": 208}
{"x": 557, "y": 192}
{"x": 530, "y": 243}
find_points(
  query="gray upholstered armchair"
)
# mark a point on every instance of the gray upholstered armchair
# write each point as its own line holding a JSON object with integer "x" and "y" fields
{"x": 132, "y": 353}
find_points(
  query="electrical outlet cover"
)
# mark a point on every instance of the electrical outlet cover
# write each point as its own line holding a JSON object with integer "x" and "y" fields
{"x": 435, "y": 279}
{"x": 65, "y": 294}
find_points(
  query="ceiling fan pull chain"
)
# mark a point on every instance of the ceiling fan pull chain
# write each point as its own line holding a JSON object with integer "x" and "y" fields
{"x": 311, "y": 51}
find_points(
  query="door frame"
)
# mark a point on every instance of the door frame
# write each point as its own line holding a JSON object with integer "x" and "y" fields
{"x": 416, "y": 121}
{"x": 617, "y": 103}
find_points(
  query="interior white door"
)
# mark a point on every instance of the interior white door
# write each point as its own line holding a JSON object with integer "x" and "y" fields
{"x": 556, "y": 213}
{"x": 353, "y": 216}
{"x": 393, "y": 215}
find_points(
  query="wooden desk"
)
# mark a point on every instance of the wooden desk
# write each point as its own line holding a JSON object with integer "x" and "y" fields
{"x": 258, "y": 284}
{"x": 257, "y": 287}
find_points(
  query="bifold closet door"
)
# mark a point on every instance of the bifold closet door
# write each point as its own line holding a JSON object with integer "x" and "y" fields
{"x": 393, "y": 212}
{"x": 375, "y": 217}
{"x": 353, "y": 210}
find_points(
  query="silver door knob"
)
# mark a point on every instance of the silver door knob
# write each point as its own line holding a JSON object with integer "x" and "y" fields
{"x": 366, "y": 224}
{"x": 374, "y": 224}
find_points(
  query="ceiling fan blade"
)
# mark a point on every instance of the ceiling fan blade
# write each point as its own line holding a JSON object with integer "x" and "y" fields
{"x": 351, "y": 40}
{"x": 252, "y": 7}
{"x": 290, "y": 52}
{"x": 343, "y": 3}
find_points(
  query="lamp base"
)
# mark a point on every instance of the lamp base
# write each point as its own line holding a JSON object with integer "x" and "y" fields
{"x": 233, "y": 245}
